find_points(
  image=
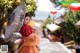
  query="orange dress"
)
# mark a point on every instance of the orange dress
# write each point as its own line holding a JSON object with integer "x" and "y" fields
{"x": 31, "y": 40}
{"x": 30, "y": 44}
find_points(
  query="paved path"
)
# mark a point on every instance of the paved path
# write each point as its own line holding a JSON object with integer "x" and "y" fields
{"x": 48, "y": 47}
{"x": 56, "y": 47}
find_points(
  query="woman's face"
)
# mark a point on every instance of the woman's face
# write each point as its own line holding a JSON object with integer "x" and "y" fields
{"x": 26, "y": 20}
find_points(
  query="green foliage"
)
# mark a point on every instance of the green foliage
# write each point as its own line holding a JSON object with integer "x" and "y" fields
{"x": 69, "y": 28}
{"x": 62, "y": 0}
{"x": 64, "y": 3}
{"x": 31, "y": 7}
{"x": 47, "y": 21}
{"x": 7, "y": 6}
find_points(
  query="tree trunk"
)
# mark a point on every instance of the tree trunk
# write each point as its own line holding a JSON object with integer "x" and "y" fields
{"x": 1, "y": 23}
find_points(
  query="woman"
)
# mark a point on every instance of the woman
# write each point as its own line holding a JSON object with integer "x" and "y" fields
{"x": 31, "y": 39}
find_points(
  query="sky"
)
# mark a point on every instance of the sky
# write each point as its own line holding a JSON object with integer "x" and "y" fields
{"x": 45, "y": 7}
